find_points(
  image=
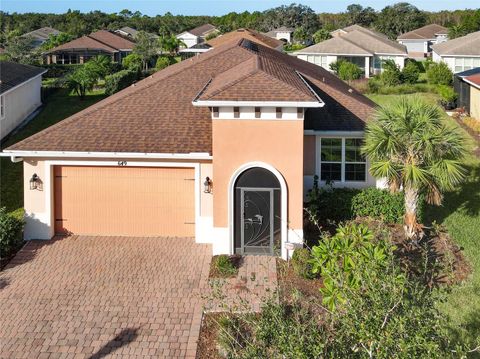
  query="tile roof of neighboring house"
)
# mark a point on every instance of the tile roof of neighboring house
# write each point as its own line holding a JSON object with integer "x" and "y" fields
{"x": 131, "y": 32}
{"x": 202, "y": 30}
{"x": 467, "y": 73}
{"x": 426, "y": 32}
{"x": 13, "y": 74}
{"x": 42, "y": 33}
{"x": 466, "y": 45}
{"x": 102, "y": 39}
{"x": 474, "y": 80}
{"x": 246, "y": 34}
{"x": 365, "y": 30}
{"x": 356, "y": 40}
{"x": 156, "y": 115}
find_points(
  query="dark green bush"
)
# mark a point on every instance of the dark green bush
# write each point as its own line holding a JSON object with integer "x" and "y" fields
{"x": 447, "y": 93}
{"x": 391, "y": 75}
{"x": 373, "y": 85}
{"x": 379, "y": 204}
{"x": 119, "y": 80}
{"x": 10, "y": 232}
{"x": 410, "y": 73}
{"x": 59, "y": 70}
{"x": 301, "y": 263}
{"x": 348, "y": 71}
{"x": 439, "y": 74}
{"x": 164, "y": 61}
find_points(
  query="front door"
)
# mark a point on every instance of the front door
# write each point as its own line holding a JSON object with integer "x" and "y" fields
{"x": 257, "y": 229}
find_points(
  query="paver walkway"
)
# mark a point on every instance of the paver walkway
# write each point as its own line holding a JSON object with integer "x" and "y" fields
{"x": 95, "y": 297}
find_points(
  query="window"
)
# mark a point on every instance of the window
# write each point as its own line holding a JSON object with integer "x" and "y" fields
{"x": 2, "y": 107}
{"x": 466, "y": 63}
{"x": 236, "y": 112}
{"x": 331, "y": 159}
{"x": 355, "y": 164}
{"x": 341, "y": 160}
{"x": 318, "y": 60}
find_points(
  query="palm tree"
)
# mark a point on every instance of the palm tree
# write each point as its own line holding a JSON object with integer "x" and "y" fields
{"x": 171, "y": 44}
{"x": 82, "y": 80}
{"x": 409, "y": 145}
{"x": 100, "y": 64}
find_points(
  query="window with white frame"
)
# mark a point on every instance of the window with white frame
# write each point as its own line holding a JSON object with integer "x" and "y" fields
{"x": 318, "y": 60}
{"x": 2, "y": 107}
{"x": 341, "y": 160}
{"x": 466, "y": 63}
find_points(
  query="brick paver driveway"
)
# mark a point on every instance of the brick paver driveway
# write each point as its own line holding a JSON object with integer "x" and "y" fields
{"x": 95, "y": 297}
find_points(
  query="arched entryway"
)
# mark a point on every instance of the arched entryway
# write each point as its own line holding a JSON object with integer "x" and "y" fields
{"x": 257, "y": 212}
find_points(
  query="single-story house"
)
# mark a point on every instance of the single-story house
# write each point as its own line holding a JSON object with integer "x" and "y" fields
{"x": 20, "y": 94}
{"x": 363, "y": 47}
{"x": 131, "y": 33}
{"x": 467, "y": 87}
{"x": 419, "y": 41}
{"x": 282, "y": 33}
{"x": 79, "y": 51}
{"x": 222, "y": 147}
{"x": 197, "y": 35}
{"x": 255, "y": 36}
{"x": 41, "y": 35}
{"x": 460, "y": 54}
{"x": 195, "y": 50}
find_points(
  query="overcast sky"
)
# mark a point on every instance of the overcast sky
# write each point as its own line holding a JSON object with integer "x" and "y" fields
{"x": 210, "y": 7}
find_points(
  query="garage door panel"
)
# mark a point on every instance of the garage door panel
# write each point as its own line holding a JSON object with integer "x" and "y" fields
{"x": 130, "y": 201}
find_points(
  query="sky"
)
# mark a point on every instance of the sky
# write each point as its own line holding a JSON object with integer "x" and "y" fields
{"x": 211, "y": 7}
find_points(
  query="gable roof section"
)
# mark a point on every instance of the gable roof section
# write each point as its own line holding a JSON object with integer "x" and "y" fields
{"x": 156, "y": 115}
{"x": 468, "y": 45}
{"x": 102, "y": 40}
{"x": 252, "y": 35}
{"x": 202, "y": 30}
{"x": 13, "y": 74}
{"x": 354, "y": 41}
{"x": 426, "y": 32}
{"x": 473, "y": 80}
{"x": 43, "y": 33}
{"x": 356, "y": 27}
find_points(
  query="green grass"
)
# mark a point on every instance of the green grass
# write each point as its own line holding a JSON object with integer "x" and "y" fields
{"x": 58, "y": 106}
{"x": 460, "y": 214}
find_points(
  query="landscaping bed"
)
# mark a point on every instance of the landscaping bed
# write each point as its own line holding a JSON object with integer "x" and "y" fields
{"x": 223, "y": 266}
{"x": 207, "y": 342}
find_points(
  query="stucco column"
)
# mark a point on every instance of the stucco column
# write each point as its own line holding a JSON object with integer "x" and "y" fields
{"x": 367, "y": 67}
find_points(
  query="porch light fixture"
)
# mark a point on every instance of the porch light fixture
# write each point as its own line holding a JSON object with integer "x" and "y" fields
{"x": 207, "y": 185}
{"x": 35, "y": 182}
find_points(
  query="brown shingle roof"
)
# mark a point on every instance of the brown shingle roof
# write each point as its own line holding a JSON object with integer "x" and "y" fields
{"x": 103, "y": 39}
{"x": 466, "y": 45}
{"x": 202, "y": 30}
{"x": 43, "y": 33}
{"x": 13, "y": 74}
{"x": 426, "y": 32}
{"x": 157, "y": 116}
{"x": 246, "y": 34}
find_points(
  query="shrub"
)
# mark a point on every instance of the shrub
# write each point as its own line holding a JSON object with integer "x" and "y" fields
{"x": 301, "y": 263}
{"x": 410, "y": 73}
{"x": 335, "y": 66}
{"x": 447, "y": 94}
{"x": 132, "y": 62}
{"x": 373, "y": 85}
{"x": 293, "y": 47}
{"x": 348, "y": 71}
{"x": 119, "y": 80}
{"x": 439, "y": 74}
{"x": 10, "y": 232}
{"x": 224, "y": 265}
{"x": 391, "y": 75}
{"x": 164, "y": 61}
{"x": 379, "y": 204}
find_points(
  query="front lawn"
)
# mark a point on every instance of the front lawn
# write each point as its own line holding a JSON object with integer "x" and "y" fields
{"x": 460, "y": 214}
{"x": 58, "y": 106}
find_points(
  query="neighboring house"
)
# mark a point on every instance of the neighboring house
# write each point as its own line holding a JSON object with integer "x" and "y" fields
{"x": 20, "y": 94}
{"x": 197, "y": 35}
{"x": 41, "y": 35}
{"x": 222, "y": 147}
{"x": 460, "y": 54}
{"x": 363, "y": 47}
{"x": 249, "y": 34}
{"x": 283, "y": 33}
{"x": 195, "y": 50}
{"x": 467, "y": 87}
{"x": 81, "y": 50}
{"x": 131, "y": 32}
{"x": 419, "y": 41}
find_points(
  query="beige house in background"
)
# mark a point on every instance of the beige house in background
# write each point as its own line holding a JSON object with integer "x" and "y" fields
{"x": 419, "y": 42}
{"x": 20, "y": 94}
{"x": 460, "y": 54}
{"x": 222, "y": 147}
{"x": 364, "y": 47}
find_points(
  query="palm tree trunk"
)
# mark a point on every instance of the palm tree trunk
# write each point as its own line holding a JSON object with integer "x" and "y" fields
{"x": 410, "y": 219}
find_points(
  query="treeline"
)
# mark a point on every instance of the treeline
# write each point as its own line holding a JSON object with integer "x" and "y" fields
{"x": 391, "y": 20}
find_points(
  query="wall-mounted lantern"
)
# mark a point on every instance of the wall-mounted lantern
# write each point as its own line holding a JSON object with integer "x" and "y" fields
{"x": 35, "y": 182}
{"x": 207, "y": 185}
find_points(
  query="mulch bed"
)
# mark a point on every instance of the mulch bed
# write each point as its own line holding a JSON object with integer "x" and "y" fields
{"x": 236, "y": 260}
{"x": 207, "y": 345}
{"x": 288, "y": 281}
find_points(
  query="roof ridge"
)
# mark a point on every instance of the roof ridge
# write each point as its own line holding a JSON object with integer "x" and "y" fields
{"x": 355, "y": 44}
{"x": 103, "y": 42}
{"x": 388, "y": 42}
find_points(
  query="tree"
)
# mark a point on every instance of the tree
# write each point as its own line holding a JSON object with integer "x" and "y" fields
{"x": 456, "y": 31}
{"x": 82, "y": 80}
{"x": 409, "y": 145}
{"x": 20, "y": 49}
{"x": 294, "y": 15}
{"x": 410, "y": 72}
{"x": 391, "y": 75}
{"x": 56, "y": 40}
{"x": 132, "y": 62}
{"x": 146, "y": 47}
{"x": 356, "y": 14}
{"x": 171, "y": 44}
{"x": 300, "y": 35}
{"x": 399, "y": 18}
{"x": 321, "y": 35}
{"x": 100, "y": 65}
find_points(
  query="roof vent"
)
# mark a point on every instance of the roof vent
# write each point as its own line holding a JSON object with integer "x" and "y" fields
{"x": 323, "y": 79}
{"x": 350, "y": 90}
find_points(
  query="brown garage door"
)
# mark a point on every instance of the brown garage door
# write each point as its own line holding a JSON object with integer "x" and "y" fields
{"x": 125, "y": 201}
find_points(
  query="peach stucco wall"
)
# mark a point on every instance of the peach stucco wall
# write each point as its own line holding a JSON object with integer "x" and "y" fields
{"x": 278, "y": 143}
{"x": 309, "y": 155}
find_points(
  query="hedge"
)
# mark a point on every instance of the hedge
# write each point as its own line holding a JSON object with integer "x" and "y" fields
{"x": 119, "y": 80}
{"x": 11, "y": 227}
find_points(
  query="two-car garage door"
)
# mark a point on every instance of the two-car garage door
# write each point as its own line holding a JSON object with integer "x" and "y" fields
{"x": 124, "y": 201}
